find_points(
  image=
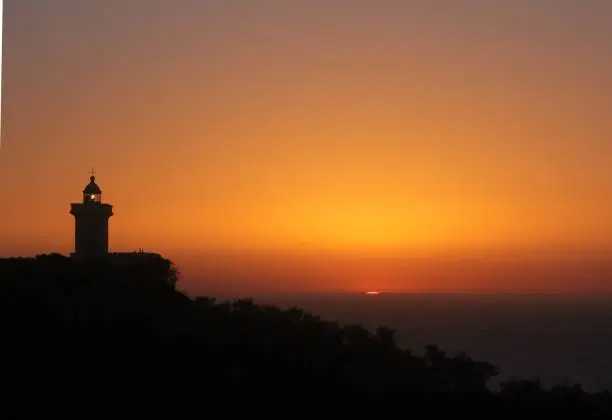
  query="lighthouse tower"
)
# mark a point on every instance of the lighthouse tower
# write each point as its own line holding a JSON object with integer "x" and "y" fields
{"x": 91, "y": 223}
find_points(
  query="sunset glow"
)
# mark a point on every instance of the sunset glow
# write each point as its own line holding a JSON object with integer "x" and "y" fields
{"x": 304, "y": 146}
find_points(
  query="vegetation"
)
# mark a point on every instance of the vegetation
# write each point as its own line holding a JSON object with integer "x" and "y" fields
{"x": 97, "y": 339}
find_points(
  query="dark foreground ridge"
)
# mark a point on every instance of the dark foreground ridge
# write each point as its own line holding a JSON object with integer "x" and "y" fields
{"x": 97, "y": 339}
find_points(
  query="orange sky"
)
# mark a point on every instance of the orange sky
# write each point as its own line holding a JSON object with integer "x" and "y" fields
{"x": 308, "y": 135}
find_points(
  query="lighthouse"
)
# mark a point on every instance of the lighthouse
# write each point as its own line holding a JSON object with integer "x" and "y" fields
{"x": 91, "y": 223}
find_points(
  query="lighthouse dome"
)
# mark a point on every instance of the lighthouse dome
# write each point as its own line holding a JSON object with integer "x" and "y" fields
{"x": 92, "y": 187}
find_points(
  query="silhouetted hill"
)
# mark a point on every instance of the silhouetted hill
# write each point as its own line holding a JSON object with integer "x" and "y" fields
{"x": 98, "y": 339}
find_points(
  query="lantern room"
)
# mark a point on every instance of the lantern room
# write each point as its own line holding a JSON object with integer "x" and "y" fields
{"x": 92, "y": 193}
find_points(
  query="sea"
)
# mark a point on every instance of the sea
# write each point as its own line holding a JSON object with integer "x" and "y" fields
{"x": 552, "y": 338}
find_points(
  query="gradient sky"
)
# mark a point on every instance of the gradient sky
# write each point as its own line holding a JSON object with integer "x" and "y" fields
{"x": 320, "y": 144}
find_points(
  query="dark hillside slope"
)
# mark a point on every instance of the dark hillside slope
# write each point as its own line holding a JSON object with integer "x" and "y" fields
{"x": 99, "y": 340}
